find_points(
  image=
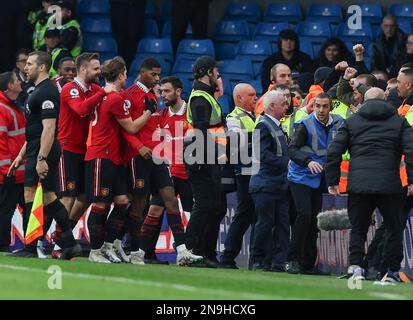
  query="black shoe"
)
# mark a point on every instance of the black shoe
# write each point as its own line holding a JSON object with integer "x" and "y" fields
{"x": 204, "y": 264}
{"x": 292, "y": 267}
{"x": 26, "y": 252}
{"x": 314, "y": 272}
{"x": 71, "y": 252}
{"x": 228, "y": 266}
{"x": 277, "y": 268}
{"x": 372, "y": 274}
{"x": 155, "y": 261}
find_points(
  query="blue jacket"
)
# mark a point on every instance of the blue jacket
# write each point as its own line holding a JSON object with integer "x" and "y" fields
{"x": 270, "y": 165}
{"x": 318, "y": 138}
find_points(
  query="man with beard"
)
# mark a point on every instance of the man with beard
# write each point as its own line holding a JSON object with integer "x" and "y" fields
{"x": 43, "y": 151}
{"x": 67, "y": 72}
{"x": 79, "y": 98}
{"x": 148, "y": 173}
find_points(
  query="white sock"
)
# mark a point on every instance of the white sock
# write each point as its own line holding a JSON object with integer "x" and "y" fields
{"x": 56, "y": 247}
{"x": 181, "y": 248}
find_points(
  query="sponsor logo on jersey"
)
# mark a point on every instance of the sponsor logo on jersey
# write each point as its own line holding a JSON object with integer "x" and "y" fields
{"x": 47, "y": 105}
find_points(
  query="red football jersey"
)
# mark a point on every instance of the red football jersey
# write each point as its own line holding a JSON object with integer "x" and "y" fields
{"x": 174, "y": 127}
{"x": 106, "y": 131}
{"x": 76, "y": 104}
{"x": 136, "y": 94}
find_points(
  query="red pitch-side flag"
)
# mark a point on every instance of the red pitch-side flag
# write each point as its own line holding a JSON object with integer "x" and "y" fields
{"x": 35, "y": 225}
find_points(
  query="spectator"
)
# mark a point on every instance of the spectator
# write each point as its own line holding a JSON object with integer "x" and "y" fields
{"x": 389, "y": 44}
{"x": 406, "y": 56}
{"x": 269, "y": 187}
{"x": 27, "y": 86}
{"x": 70, "y": 33}
{"x": 127, "y": 18}
{"x": 194, "y": 12}
{"x": 280, "y": 74}
{"x": 320, "y": 77}
{"x": 289, "y": 54}
{"x": 52, "y": 40}
{"x": 351, "y": 89}
{"x": 332, "y": 52}
{"x": 405, "y": 90}
{"x": 391, "y": 84}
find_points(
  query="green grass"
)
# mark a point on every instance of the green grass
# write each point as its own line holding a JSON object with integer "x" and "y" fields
{"x": 28, "y": 279}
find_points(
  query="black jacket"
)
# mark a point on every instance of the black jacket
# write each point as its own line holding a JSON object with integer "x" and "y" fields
{"x": 376, "y": 138}
{"x": 301, "y": 62}
{"x": 385, "y": 52}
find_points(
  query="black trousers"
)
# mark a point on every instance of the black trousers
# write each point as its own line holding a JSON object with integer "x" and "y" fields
{"x": 194, "y": 12}
{"x": 272, "y": 226}
{"x": 11, "y": 194}
{"x": 303, "y": 245}
{"x": 205, "y": 182}
{"x": 128, "y": 25}
{"x": 243, "y": 218}
{"x": 360, "y": 207}
{"x": 212, "y": 229}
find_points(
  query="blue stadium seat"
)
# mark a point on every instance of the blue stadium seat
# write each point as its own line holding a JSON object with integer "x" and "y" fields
{"x": 166, "y": 10}
{"x": 150, "y": 10}
{"x": 371, "y": 12}
{"x": 165, "y": 64}
{"x": 313, "y": 29}
{"x": 93, "y": 8}
{"x": 161, "y": 104}
{"x": 158, "y": 48}
{"x": 329, "y": 12}
{"x": 307, "y": 47}
{"x": 167, "y": 30}
{"x": 364, "y": 34}
{"x": 403, "y": 11}
{"x": 237, "y": 70}
{"x": 224, "y": 102}
{"x": 243, "y": 11}
{"x": 151, "y": 29}
{"x": 99, "y": 43}
{"x": 405, "y": 26}
{"x": 270, "y": 30}
{"x": 96, "y": 25}
{"x": 231, "y": 31}
{"x": 182, "y": 65}
{"x": 257, "y": 86}
{"x": 227, "y": 35}
{"x": 255, "y": 51}
{"x": 279, "y": 12}
{"x": 194, "y": 48}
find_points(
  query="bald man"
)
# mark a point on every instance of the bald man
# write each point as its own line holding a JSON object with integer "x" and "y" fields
{"x": 376, "y": 137}
{"x": 374, "y": 93}
{"x": 280, "y": 74}
{"x": 241, "y": 124}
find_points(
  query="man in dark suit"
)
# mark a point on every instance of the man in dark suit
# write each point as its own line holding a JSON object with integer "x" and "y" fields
{"x": 376, "y": 138}
{"x": 269, "y": 186}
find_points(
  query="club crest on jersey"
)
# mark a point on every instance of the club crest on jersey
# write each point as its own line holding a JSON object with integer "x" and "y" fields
{"x": 71, "y": 185}
{"x": 126, "y": 107}
{"x": 74, "y": 93}
{"x": 139, "y": 183}
{"x": 104, "y": 192}
{"x": 47, "y": 105}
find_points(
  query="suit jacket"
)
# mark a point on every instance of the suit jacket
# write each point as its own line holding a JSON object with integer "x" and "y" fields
{"x": 270, "y": 158}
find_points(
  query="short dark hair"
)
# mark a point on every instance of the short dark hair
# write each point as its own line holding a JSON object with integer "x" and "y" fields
{"x": 112, "y": 68}
{"x": 149, "y": 64}
{"x": 42, "y": 58}
{"x": 65, "y": 59}
{"x": 84, "y": 58}
{"x": 371, "y": 80}
{"x": 324, "y": 95}
{"x": 5, "y": 79}
{"x": 22, "y": 51}
{"x": 174, "y": 81}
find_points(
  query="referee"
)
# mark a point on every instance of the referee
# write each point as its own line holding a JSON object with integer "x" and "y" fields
{"x": 43, "y": 151}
